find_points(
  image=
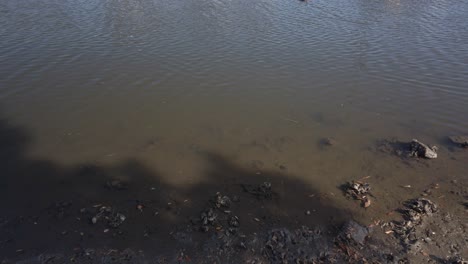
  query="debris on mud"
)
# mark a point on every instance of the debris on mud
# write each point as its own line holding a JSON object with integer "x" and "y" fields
{"x": 262, "y": 191}
{"x": 208, "y": 219}
{"x": 414, "y": 214}
{"x": 217, "y": 216}
{"x": 417, "y": 208}
{"x": 359, "y": 191}
{"x": 108, "y": 214}
{"x": 222, "y": 201}
{"x": 462, "y": 141}
{"x": 421, "y": 150}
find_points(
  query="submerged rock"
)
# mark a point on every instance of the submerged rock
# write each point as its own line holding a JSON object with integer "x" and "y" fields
{"x": 421, "y": 150}
{"x": 460, "y": 140}
{"x": 329, "y": 141}
{"x": 403, "y": 149}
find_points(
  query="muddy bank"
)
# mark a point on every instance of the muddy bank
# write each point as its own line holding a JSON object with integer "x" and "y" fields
{"x": 124, "y": 214}
{"x": 238, "y": 225}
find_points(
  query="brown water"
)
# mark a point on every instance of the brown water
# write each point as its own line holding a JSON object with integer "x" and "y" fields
{"x": 259, "y": 82}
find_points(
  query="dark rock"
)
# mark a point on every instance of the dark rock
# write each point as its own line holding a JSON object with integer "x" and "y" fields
{"x": 353, "y": 231}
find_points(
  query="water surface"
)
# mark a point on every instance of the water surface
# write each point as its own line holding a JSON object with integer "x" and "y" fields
{"x": 260, "y": 82}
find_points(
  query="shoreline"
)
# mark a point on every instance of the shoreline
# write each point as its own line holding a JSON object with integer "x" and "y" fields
{"x": 88, "y": 214}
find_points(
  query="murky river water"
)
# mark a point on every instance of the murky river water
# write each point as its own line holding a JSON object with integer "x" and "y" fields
{"x": 260, "y": 82}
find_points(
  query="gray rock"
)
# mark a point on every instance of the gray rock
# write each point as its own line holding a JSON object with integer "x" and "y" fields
{"x": 460, "y": 140}
{"x": 354, "y": 232}
{"x": 421, "y": 150}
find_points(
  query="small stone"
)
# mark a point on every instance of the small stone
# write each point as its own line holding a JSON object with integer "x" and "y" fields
{"x": 366, "y": 202}
{"x": 307, "y": 212}
{"x": 122, "y": 217}
{"x": 329, "y": 141}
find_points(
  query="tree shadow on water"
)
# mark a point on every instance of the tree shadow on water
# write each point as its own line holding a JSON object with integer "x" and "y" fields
{"x": 47, "y": 207}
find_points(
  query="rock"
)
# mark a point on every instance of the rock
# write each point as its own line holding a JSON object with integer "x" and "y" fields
{"x": 354, "y": 232}
{"x": 329, "y": 141}
{"x": 460, "y": 140}
{"x": 421, "y": 150}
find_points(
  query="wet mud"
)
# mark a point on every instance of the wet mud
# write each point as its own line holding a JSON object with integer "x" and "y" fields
{"x": 89, "y": 214}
